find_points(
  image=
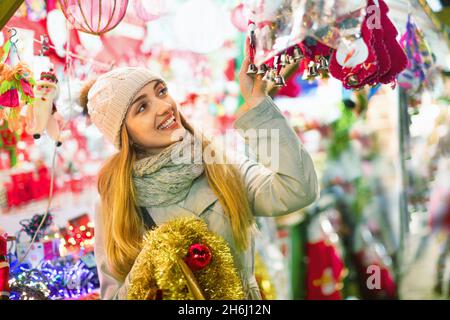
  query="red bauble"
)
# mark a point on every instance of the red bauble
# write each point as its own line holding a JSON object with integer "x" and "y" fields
{"x": 198, "y": 257}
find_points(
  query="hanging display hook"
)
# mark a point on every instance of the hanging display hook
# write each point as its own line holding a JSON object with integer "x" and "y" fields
{"x": 13, "y": 40}
{"x": 13, "y": 35}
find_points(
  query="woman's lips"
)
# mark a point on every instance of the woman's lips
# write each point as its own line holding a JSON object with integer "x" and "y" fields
{"x": 168, "y": 123}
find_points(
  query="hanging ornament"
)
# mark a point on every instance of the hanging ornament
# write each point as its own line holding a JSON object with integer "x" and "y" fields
{"x": 298, "y": 55}
{"x": 395, "y": 52}
{"x": 278, "y": 79}
{"x": 252, "y": 69}
{"x": 270, "y": 75}
{"x": 281, "y": 25}
{"x": 419, "y": 58}
{"x": 149, "y": 10}
{"x": 42, "y": 114}
{"x": 16, "y": 90}
{"x": 262, "y": 70}
{"x": 349, "y": 54}
{"x": 238, "y": 17}
{"x": 94, "y": 16}
{"x": 377, "y": 58}
{"x": 323, "y": 66}
{"x": 311, "y": 72}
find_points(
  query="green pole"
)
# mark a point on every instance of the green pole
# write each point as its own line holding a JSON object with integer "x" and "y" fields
{"x": 299, "y": 264}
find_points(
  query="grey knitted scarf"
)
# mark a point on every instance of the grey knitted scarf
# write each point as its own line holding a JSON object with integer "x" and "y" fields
{"x": 166, "y": 178}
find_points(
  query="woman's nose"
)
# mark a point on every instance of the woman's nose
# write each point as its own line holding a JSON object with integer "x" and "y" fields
{"x": 164, "y": 108}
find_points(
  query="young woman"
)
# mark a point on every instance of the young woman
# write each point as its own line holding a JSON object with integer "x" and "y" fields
{"x": 133, "y": 108}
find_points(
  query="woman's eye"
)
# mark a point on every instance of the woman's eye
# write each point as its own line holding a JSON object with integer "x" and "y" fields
{"x": 163, "y": 92}
{"x": 142, "y": 108}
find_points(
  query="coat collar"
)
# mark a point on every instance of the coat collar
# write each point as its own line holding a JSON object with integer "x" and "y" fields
{"x": 200, "y": 196}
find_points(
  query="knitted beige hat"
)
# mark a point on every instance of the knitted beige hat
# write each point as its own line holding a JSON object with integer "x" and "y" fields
{"x": 111, "y": 95}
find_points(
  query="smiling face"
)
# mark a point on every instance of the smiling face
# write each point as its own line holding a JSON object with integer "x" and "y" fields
{"x": 46, "y": 89}
{"x": 153, "y": 121}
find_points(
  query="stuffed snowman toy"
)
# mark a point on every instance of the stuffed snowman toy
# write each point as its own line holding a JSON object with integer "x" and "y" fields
{"x": 42, "y": 114}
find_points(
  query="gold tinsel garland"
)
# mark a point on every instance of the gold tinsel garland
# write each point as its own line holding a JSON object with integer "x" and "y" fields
{"x": 158, "y": 274}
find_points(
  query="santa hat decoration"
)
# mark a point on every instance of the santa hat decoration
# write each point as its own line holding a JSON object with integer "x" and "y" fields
{"x": 49, "y": 76}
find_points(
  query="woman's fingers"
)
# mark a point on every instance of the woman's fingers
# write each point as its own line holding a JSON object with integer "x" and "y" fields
{"x": 244, "y": 67}
{"x": 246, "y": 60}
{"x": 260, "y": 86}
{"x": 247, "y": 47}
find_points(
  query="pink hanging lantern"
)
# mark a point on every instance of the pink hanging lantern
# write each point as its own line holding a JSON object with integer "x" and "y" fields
{"x": 238, "y": 18}
{"x": 149, "y": 10}
{"x": 94, "y": 16}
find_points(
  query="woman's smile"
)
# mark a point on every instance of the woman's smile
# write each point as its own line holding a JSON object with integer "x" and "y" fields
{"x": 169, "y": 122}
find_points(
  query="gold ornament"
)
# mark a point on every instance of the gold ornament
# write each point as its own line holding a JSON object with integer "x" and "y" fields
{"x": 160, "y": 271}
{"x": 263, "y": 279}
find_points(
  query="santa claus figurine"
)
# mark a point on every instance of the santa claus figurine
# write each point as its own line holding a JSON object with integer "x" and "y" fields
{"x": 4, "y": 266}
{"x": 42, "y": 114}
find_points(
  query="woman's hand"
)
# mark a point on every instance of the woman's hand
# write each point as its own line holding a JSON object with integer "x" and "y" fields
{"x": 253, "y": 88}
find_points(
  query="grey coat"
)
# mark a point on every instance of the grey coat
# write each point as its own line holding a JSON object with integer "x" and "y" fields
{"x": 272, "y": 191}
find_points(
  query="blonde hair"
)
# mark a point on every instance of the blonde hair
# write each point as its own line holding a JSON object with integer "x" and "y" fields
{"x": 123, "y": 225}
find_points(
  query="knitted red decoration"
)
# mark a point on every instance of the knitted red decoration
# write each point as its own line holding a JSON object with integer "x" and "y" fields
{"x": 383, "y": 48}
{"x": 396, "y": 52}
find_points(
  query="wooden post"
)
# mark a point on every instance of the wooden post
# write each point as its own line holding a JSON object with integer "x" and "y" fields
{"x": 7, "y": 10}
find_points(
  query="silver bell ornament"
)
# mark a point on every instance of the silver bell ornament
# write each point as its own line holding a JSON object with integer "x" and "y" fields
{"x": 276, "y": 61}
{"x": 262, "y": 70}
{"x": 283, "y": 60}
{"x": 298, "y": 55}
{"x": 312, "y": 73}
{"x": 290, "y": 59}
{"x": 269, "y": 76}
{"x": 279, "y": 81}
{"x": 323, "y": 63}
{"x": 252, "y": 69}
{"x": 324, "y": 67}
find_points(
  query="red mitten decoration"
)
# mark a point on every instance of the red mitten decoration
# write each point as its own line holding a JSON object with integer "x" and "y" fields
{"x": 367, "y": 72}
{"x": 396, "y": 53}
{"x": 386, "y": 58}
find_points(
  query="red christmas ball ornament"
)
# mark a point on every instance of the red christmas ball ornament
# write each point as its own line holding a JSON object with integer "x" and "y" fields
{"x": 198, "y": 256}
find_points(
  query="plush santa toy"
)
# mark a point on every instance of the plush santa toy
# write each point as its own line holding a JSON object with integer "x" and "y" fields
{"x": 4, "y": 266}
{"x": 42, "y": 114}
